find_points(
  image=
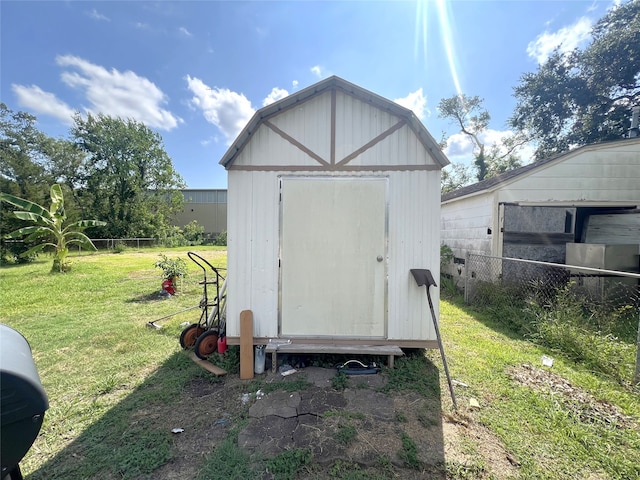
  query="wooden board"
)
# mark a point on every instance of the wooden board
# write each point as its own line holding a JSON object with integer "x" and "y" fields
{"x": 217, "y": 371}
{"x": 246, "y": 345}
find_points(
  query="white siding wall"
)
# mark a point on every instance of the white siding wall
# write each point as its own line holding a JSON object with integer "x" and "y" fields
{"x": 464, "y": 225}
{"x": 607, "y": 174}
{"x": 414, "y": 239}
{"x": 253, "y": 238}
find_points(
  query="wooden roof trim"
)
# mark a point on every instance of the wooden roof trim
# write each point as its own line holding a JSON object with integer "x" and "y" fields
{"x": 333, "y": 168}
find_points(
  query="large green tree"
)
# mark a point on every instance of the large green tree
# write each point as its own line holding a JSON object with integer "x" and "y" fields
{"x": 128, "y": 177}
{"x": 470, "y": 116}
{"x": 23, "y": 170}
{"x": 584, "y": 96}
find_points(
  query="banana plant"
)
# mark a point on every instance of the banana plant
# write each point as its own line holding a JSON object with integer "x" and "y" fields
{"x": 50, "y": 228}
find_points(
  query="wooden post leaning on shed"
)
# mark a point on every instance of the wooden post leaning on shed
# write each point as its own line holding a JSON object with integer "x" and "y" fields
{"x": 246, "y": 345}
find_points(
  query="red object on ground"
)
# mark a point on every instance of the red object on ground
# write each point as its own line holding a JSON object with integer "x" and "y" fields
{"x": 222, "y": 344}
{"x": 168, "y": 287}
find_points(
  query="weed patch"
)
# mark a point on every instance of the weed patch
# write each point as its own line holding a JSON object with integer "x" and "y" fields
{"x": 346, "y": 434}
{"x": 228, "y": 460}
{"x": 414, "y": 373}
{"x": 340, "y": 381}
{"x": 286, "y": 465}
{"x": 409, "y": 452}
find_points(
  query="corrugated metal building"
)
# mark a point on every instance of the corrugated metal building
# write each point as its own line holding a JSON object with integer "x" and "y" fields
{"x": 208, "y": 207}
{"x": 588, "y": 195}
{"x": 333, "y": 196}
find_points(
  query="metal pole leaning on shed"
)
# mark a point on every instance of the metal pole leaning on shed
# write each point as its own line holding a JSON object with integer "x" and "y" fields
{"x": 424, "y": 277}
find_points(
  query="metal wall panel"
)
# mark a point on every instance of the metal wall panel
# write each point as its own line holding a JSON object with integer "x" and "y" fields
{"x": 358, "y": 123}
{"x": 253, "y": 251}
{"x": 270, "y": 149}
{"x": 610, "y": 174}
{"x": 414, "y": 218}
{"x": 310, "y": 124}
{"x": 414, "y": 234}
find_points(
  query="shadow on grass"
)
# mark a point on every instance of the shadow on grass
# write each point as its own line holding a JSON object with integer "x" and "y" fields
{"x": 155, "y": 296}
{"x": 133, "y": 438}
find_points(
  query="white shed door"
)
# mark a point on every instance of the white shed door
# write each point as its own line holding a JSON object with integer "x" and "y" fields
{"x": 333, "y": 257}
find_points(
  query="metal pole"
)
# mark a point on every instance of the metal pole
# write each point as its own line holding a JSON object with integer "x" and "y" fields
{"x": 441, "y": 347}
{"x": 636, "y": 377}
{"x": 466, "y": 277}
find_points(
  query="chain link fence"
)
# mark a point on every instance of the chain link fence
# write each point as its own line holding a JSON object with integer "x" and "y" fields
{"x": 111, "y": 243}
{"x": 540, "y": 282}
{"x": 607, "y": 302}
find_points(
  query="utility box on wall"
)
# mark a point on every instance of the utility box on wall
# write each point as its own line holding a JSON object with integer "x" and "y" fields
{"x": 333, "y": 197}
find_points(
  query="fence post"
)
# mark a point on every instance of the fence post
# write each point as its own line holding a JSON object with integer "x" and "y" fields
{"x": 636, "y": 378}
{"x": 466, "y": 277}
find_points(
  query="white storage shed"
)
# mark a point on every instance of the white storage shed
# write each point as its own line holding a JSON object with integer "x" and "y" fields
{"x": 333, "y": 196}
{"x": 588, "y": 195}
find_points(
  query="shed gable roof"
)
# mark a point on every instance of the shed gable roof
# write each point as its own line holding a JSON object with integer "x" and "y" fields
{"x": 266, "y": 118}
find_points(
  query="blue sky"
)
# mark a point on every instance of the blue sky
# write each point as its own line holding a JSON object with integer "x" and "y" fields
{"x": 196, "y": 71}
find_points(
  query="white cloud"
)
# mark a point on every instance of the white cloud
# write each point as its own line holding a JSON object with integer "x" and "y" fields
{"x": 119, "y": 94}
{"x": 275, "y": 95}
{"x": 317, "y": 71}
{"x": 97, "y": 15}
{"x": 460, "y": 146}
{"x": 566, "y": 39}
{"x": 41, "y": 102}
{"x": 185, "y": 32}
{"x": 294, "y": 84}
{"x": 415, "y": 101}
{"x": 229, "y": 111}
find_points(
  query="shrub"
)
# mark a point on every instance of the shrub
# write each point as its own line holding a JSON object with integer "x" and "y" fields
{"x": 171, "y": 267}
{"x": 221, "y": 239}
{"x": 193, "y": 233}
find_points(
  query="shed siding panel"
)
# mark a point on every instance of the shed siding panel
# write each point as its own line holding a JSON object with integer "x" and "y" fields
{"x": 607, "y": 174}
{"x": 267, "y": 148}
{"x": 400, "y": 148}
{"x": 357, "y": 123}
{"x": 310, "y": 124}
{"x": 413, "y": 232}
{"x": 253, "y": 244}
{"x": 238, "y": 248}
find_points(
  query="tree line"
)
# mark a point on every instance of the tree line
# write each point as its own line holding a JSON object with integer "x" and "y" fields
{"x": 575, "y": 98}
{"x": 109, "y": 169}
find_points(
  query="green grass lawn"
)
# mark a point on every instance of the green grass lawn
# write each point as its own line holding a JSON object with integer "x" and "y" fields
{"x": 551, "y": 435}
{"x": 89, "y": 339}
{"x": 104, "y": 370}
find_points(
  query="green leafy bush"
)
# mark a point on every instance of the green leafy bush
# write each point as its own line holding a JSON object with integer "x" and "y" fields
{"x": 171, "y": 267}
{"x": 221, "y": 239}
{"x": 193, "y": 233}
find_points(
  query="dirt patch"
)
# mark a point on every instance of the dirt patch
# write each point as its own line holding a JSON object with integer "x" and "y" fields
{"x": 580, "y": 403}
{"x": 359, "y": 428}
